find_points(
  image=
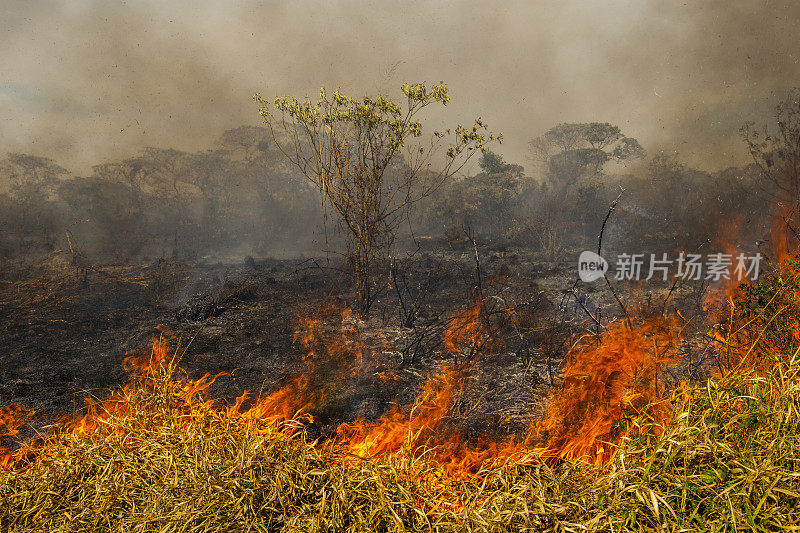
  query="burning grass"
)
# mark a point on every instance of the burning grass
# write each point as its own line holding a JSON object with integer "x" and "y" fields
{"x": 615, "y": 452}
{"x": 157, "y": 457}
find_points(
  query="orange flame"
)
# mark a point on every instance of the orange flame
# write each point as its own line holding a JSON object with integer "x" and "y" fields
{"x": 12, "y": 417}
{"x": 608, "y": 385}
{"x": 467, "y": 333}
{"x": 396, "y": 430}
{"x": 290, "y": 402}
{"x": 783, "y": 245}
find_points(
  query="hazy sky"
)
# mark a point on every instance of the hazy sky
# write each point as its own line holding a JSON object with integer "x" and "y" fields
{"x": 84, "y": 82}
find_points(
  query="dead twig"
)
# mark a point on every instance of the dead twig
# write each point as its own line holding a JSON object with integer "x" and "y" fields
{"x": 599, "y": 249}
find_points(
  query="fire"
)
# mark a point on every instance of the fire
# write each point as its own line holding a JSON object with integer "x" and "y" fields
{"x": 465, "y": 335}
{"x": 425, "y": 427}
{"x": 397, "y": 430}
{"x": 783, "y": 236}
{"x": 149, "y": 363}
{"x": 467, "y": 460}
{"x": 106, "y": 417}
{"x": 422, "y": 430}
{"x": 467, "y": 332}
{"x": 610, "y": 383}
{"x": 12, "y": 417}
{"x": 720, "y": 293}
{"x": 341, "y": 348}
{"x": 724, "y": 301}
{"x": 289, "y": 403}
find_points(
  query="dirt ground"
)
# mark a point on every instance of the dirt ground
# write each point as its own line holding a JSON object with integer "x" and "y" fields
{"x": 65, "y": 329}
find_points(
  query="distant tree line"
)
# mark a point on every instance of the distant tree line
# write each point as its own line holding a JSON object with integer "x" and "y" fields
{"x": 159, "y": 203}
{"x": 244, "y": 197}
{"x": 578, "y": 171}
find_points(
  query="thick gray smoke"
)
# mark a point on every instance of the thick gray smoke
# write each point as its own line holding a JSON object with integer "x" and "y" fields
{"x": 84, "y": 82}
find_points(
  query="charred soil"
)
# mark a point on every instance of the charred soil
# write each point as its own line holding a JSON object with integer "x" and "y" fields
{"x": 66, "y": 327}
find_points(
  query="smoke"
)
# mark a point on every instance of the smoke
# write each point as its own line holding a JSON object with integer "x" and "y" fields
{"x": 85, "y": 82}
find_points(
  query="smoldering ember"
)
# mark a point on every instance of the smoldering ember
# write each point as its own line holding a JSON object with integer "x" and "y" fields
{"x": 363, "y": 266}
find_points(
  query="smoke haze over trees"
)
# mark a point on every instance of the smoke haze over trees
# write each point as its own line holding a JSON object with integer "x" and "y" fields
{"x": 86, "y": 82}
{"x": 128, "y": 130}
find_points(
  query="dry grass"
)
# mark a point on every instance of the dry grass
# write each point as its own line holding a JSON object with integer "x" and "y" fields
{"x": 160, "y": 466}
{"x": 37, "y": 291}
{"x": 728, "y": 461}
{"x": 158, "y": 459}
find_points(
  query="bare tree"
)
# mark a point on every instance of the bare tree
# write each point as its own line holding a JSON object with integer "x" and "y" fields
{"x": 245, "y": 141}
{"x": 361, "y": 156}
{"x": 33, "y": 180}
{"x": 777, "y": 152}
{"x": 171, "y": 193}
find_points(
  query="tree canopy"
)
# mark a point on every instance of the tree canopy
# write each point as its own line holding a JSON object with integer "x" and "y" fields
{"x": 345, "y": 146}
{"x": 571, "y": 152}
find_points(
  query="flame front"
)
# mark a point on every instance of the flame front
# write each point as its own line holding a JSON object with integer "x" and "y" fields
{"x": 609, "y": 383}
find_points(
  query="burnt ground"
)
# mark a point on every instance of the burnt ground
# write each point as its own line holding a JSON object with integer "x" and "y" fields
{"x": 64, "y": 330}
